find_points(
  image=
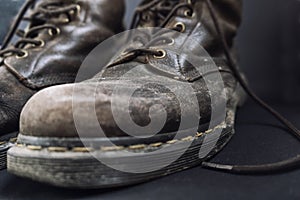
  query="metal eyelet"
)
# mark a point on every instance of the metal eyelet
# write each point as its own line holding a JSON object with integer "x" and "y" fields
{"x": 188, "y": 13}
{"x": 51, "y": 33}
{"x": 181, "y": 26}
{"x": 42, "y": 43}
{"x": 172, "y": 42}
{"x": 25, "y": 54}
{"x": 146, "y": 17}
{"x": 78, "y": 9}
{"x": 163, "y": 54}
{"x": 66, "y": 20}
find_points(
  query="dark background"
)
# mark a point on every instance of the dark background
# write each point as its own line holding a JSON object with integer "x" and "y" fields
{"x": 269, "y": 47}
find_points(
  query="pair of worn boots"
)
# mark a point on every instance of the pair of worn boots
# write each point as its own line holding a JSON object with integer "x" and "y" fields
{"x": 163, "y": 103}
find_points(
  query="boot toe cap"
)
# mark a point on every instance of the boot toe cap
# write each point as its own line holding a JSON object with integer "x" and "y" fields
{"x": 49, "y": 113}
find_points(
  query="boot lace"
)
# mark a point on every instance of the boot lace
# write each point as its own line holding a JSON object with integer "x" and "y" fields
{"x": 163, "y": 10}
{"x": 39, "y": 21}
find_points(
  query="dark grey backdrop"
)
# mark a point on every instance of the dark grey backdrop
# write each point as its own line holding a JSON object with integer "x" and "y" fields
{"x": 268, "y": 42}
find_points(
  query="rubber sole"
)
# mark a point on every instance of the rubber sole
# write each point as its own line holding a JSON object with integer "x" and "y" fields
{"x": 6, "y": 142}
{"x": 78, "y": 167}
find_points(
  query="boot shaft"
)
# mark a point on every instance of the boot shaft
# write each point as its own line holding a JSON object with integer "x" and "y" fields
{"x": 195, "y": 14}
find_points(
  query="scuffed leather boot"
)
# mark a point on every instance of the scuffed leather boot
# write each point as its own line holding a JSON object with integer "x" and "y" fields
{"x": 59, "y": 36}
{"x": 51, "y": 149}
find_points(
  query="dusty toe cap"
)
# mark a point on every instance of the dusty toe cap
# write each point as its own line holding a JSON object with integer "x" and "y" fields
{"x": 49, "y": 113}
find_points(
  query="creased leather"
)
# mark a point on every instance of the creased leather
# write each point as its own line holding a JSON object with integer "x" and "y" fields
{"x": 61, "y": 123}
{"x": 58, "y": 61}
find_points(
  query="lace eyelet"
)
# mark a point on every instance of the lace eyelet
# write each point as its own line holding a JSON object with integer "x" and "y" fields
{"x": 25, "y": 54}
{"x": 163, "y": 54}
{"x": 172, "y": 42}
{"x": 188, "y": 13}
{"x": 77, "y": 10}
{"x": 181, "y": 26}
{"x": 66, "y": 20}
{"x": 51, "y": 33}
{"x": 42, "y": 43}
{"x": 146, "y": 17}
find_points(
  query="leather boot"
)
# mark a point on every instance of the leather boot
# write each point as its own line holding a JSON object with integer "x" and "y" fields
{"x": 51, "y": 149}
{"x": 59, "y": 36}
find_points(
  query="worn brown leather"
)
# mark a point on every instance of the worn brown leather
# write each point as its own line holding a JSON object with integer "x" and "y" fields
{"x": 57, "y": 116}
{"x": 58, "y": 61}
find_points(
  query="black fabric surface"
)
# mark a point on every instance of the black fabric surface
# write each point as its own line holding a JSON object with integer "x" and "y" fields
{"x": 256, "y": 141}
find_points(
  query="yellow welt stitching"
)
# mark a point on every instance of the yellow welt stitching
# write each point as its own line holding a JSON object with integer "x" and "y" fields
{"x": 131, "y": 147}
{"x": 199, "y": 135}
{"x": 172, "y": 141}
{"x": 34, "y": 148}
{"x": 156, "y": 144}
{"x": 57, "y": 149}
{"x": 138, "y": 146}
{"x": 188, "y": 139}
{"x": 82, "y": 149}
{"x": 112, "y": 148}
{"x": 208, "y": 131}
{"x": 12, "y": 140}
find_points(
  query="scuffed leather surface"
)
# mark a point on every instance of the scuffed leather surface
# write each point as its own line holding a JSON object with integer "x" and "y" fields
{"x": 61, "y": 123}
{"x": 57, "y": 113}
{"x": 13, "y": 96}
{"x": 58, "y": 61}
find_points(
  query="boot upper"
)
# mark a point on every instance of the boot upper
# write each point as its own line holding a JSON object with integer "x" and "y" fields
{"x": 64, "y": 47}
{"x": 190, "y": 18}
{"x": 59, "y": 35}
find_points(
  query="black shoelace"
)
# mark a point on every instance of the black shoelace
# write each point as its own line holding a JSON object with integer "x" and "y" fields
{"x": 38, "y": 22}
{"x": 161, "y": 8}
{"x": 238, "y": 169}
{"x": 285, "y": 165}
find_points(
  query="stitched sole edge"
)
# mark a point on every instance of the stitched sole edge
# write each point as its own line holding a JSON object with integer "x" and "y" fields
{"x": 6, "y": 142}
{"x": 79, "y": 169}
